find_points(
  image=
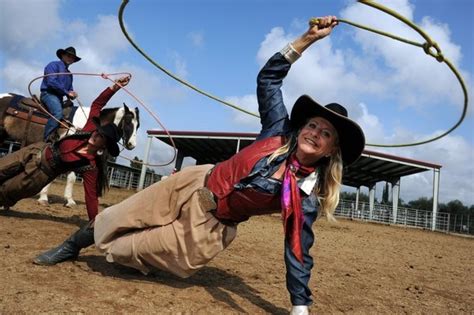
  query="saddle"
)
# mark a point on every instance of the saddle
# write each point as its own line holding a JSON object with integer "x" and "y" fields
{"x": 28, "y": 109}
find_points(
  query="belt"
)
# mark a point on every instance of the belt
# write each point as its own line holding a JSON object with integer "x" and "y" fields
{"x": 208, "y": 201}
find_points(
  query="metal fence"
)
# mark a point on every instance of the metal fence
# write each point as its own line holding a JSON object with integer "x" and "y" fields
{"x": 121, "y": 176}
{"x": 445, "y": 222}
{"x": 129, "y": 177}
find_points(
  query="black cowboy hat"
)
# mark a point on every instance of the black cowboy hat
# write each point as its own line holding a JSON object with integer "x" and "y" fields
{"x": 351, "y": 137}
{"x": 70, "y": 51}
{"x": 111, "y": 134}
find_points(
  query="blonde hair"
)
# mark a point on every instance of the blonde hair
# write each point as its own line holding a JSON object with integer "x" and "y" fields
{"x": 280, "y": 151}
{"x": 330, "y": 182}
{"x": 330, "y": 186}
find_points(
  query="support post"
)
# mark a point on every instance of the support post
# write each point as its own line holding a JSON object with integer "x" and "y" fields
{"x": 371, "y": 200}
{"x": 356, "y": 208}
{"x": 435, "y": 197}
{"x": 145, "y": 162}
{"x": 395, "y": 198}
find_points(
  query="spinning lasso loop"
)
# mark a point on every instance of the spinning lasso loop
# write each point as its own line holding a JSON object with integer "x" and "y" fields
{"x": 430, "y": 47}
{"x": 107, "y": 77}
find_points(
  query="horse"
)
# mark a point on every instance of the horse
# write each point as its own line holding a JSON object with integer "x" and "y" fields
{"x": 19, "y": 121}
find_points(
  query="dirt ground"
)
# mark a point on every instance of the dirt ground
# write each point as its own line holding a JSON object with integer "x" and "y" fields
{"x": 360, "y": 268}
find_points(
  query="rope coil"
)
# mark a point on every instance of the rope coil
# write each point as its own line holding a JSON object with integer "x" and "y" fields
{"x": 428, "y": 47}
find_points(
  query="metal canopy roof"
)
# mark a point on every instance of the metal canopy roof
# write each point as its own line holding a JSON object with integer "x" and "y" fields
{"x": 214, "y": 147}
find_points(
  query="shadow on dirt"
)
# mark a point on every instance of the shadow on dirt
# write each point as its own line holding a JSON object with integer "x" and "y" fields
{"x": 215, "y": 281}
{"x": 74, "y": 220}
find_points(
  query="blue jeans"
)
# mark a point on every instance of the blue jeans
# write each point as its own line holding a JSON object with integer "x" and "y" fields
{"x": 54, "y": 106}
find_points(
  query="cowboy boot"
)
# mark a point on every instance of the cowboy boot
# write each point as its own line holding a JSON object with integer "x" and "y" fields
{"x": 68, "y": 250}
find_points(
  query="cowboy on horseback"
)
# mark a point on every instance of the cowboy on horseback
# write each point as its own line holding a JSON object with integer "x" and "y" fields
{"x": 55, "y": 87}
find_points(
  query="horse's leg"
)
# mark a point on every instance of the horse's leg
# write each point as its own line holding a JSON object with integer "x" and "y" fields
{"x": 43, "y": 199}
{"x": 71, "y": 179}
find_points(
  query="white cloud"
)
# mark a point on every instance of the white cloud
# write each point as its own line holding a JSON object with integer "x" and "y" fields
{"x": 27, "y": 25}
{"x": 248, "y": 103}
{"x": 101, "y": 41}
{"x": 18, "y": 73}
{"x": 455, "y": 155}
{"x": 370, "y": 124}
{"x": 415, "y": 79}
{"x": 180, "y": 65}
{"x": 197, "y": 38}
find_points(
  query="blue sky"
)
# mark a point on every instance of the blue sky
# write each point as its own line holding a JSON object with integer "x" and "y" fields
{"x": 396, "y": 92}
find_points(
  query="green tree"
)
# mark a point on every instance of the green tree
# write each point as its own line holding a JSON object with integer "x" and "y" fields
{"x": 352, "y": 196}
{"x": 421, "y": 203}
{"x": 457, "y": 207}
{"x": 442, "y": 207}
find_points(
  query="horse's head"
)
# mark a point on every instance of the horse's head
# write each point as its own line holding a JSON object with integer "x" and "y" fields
{"x": 128, "y": 122}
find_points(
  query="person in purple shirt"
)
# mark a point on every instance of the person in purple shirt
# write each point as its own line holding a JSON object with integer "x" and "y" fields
{"x": 55, "y": 87}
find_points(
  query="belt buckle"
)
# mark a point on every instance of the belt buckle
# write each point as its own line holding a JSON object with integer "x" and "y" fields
{"x": 206, "y": 199}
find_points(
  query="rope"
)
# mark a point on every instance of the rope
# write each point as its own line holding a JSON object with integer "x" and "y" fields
{"x": 430, "y": 47}
{"x": 107, "y": 77}
{"x": 195, "y": 88}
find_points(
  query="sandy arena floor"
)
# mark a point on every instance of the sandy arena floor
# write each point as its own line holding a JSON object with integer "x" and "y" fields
{"x": 361, "y": 268}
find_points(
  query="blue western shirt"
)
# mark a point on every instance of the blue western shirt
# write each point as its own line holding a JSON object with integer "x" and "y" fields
{"x": 59, "y": 85}
{"x": 275, "y": 122}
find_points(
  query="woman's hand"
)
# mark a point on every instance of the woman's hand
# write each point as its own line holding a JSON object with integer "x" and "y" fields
{"x": 121, "y": 82}
{"x": 318, "y": 29}
{"x": 321, "y": 27}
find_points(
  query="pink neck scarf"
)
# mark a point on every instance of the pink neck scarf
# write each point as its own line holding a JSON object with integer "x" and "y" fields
{"x": 292, "y": 213}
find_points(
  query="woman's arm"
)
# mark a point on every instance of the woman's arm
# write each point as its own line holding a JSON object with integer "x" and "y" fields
{"x": 91, "y": 194}
{"x": 102, "y": 100}
{"x": 273, "y": 113}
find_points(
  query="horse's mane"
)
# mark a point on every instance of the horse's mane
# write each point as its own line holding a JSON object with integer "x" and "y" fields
{"x": 106, "y": 111}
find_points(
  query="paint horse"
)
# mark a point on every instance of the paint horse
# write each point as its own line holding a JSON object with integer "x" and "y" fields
{"x": 23, "y": 121}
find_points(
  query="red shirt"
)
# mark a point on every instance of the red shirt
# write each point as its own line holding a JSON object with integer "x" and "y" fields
{"x": 69, "y": 148}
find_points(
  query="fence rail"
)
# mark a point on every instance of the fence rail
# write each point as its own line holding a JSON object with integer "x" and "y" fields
{"x": 445, "y": 222}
